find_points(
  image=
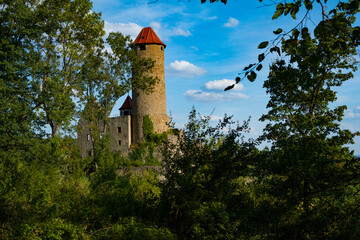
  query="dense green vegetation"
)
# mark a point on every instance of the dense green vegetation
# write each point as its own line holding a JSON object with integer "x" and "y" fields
{"x": 145, "y": 153}
{"x": 214, "y": 183}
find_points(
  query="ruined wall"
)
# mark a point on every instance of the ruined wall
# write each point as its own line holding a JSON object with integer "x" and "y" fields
{"x": 120, "y": 141}
{"x": 154, "y": 103}
{"x": 119, "y": 129}
{"x": 83, "y": 137}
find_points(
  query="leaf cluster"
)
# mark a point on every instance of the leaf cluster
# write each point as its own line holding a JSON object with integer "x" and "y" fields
{"x": 337, "y": 20}
{"x": 205, "y": 177}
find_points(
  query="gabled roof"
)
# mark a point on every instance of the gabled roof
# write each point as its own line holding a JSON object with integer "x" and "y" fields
{"x": 127, "y": 104}
{"x": 147, "y": 35}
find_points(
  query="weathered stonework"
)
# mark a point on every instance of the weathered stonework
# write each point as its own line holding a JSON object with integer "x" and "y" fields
{"x": 154, "y": 103}
{"x": 119, "y": 129}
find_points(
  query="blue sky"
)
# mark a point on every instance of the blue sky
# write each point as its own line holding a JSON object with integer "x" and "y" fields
{"x": 207, "y": 46}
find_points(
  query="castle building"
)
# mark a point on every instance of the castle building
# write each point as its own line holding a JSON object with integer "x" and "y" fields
{"x": 126, "y": 129}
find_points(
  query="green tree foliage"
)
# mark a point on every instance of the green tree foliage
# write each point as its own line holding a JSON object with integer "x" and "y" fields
{"x": 213, "y": 185}
{"x": 54, "y": 49}
{"x": 17, "y": 118}
{"x": 148, "y": 131}
{"x": 148, "y": 127}
{"x": 38, "y": 190}
{"x": 47, "y": 49}
{"x": 133, "y": 228}
{"x": 309, "y": 175}
{"x": 147, "y": 153}
{"x": 68, "y": 34}
{"x": 206, "y": 177}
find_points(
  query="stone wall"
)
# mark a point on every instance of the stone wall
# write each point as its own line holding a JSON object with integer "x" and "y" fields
{"x": 154, "y": 103}
{"x": 120, "y": 141}
{"x": 83, "y": 137}
{"x": 119, "y": 129}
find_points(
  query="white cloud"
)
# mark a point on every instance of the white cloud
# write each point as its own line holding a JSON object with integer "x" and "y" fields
{"x": 222, "y": 84}
{"x": 130, "y": 28}
{"x": 185, "y": 69}
{"x": 349, "y": 126}
{"x": 203, "y": 96}
{"x": 233, "y": 95}
{"x": 232, "y": 22}
{"x": 350, "y": 114}
{"x": 212, "y": 118}
{"x": 179, "y": 31}
{"x": 155, "y": 25}
{"x": 195, "y": 48}
{"x": 212, "y": 18}
{"x": 216, "y": 118}
{"x": 353, "y": 114}
{"x": 198, "y": 95}
{"x": 252, "y": 130}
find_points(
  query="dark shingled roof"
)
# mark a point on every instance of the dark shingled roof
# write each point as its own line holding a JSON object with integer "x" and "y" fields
{"x": 147, "y": 35}
{"x": 127, "y": 104}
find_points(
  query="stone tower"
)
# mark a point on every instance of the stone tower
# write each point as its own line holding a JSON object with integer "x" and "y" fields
{"x": 148, "y": 45}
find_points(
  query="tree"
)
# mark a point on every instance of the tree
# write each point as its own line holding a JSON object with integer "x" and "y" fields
{"x": 69, "y": 33}
{"x": 64, "y": 59}
{"x": 45, "y": 49}
{"x": 17, "y": 119}
{"x": 309, "y": 176}
{"x": 205, "y": 188}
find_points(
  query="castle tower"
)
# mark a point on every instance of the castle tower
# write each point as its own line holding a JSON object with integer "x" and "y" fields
{"x": 148, "y": 45}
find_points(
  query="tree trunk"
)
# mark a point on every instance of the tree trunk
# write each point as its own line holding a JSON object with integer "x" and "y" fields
{"x": 54, "y": 129}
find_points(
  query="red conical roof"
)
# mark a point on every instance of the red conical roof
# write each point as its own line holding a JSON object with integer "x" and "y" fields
{"x": 147, "y": 35}
{"x": 127, "y": 104}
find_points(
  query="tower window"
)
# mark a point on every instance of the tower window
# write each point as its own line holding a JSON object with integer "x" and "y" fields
{"x": 162, "y": 48}
{"x": 88, "y": 137}
{"x": 119, "y": 142}
{"x": 142, "y": 47}
{"x": 119, "y": 129}
{"x": 125, "y": 112}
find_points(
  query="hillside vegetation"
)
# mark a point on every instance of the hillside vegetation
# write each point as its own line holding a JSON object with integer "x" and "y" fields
{"x": 214, "y": 183}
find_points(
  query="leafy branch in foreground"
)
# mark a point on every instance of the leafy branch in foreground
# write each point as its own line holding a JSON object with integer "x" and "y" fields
{"x": 291, "y": 38}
